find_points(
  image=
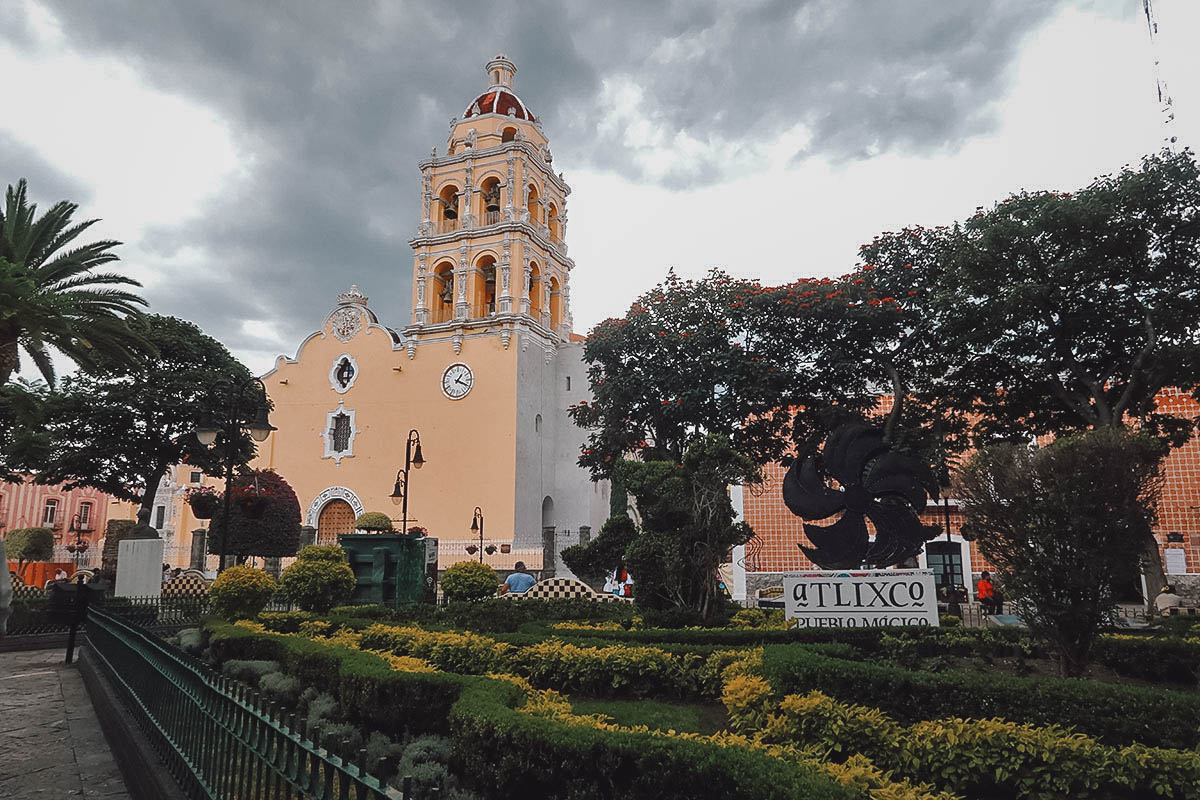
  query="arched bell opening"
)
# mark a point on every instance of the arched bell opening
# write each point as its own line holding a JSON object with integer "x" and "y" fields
{"x": 489, "y": 192}
{"x": 446, "y": 209}
{"x": 533, "y": 290}
{"x": 443, "y": 292}
{"x": 534, "y": 204}
{"x": 555, "y": 304}
{"x": 484, "y": 303}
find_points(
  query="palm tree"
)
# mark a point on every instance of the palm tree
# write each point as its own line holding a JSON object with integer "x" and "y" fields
{"x": 49, "y": 296}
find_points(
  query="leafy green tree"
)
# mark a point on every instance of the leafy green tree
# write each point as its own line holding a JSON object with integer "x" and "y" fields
{"x": 29, "y": 544}
{"x": 275, "y": 534}
{"x": 686, "y": 528}
{"x": 1062, "y": 312}
{"x": 24, "y": 442}
{"x": 122, "y": 426}
{"x": 1063, "y": 526}
{"x": 50, "y": 297}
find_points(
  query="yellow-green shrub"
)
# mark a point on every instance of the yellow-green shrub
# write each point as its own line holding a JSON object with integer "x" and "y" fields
{"x": 450, "y": 651}
{"x": 747, "y": 699}
{"x": 319, "y": 579}
{"x": 604, "y": 670}
{"x": 241, "y": 592}
{"x": 469, "y": 580}
{"x": 984, "y": 758}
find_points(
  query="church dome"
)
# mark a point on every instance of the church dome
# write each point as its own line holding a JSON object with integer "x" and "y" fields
{"x": 498, "y": 100}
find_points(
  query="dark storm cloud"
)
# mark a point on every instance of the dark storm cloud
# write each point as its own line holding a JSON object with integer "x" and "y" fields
{"x": 46, "y": 184}
{"x": 337, "y": 102}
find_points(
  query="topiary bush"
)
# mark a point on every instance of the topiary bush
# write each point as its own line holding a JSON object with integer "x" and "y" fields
{"x": 319, "y": 580}
{"x": 29, "y": 544}
{"x": 241, "y": 592}
{"x": 471, "y": 581}
{"x": 374, "y": 522}
{"x": 275, "y": 534}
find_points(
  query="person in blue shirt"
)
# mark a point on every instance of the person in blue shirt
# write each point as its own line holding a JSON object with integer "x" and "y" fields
{"x": 520, "y": 581}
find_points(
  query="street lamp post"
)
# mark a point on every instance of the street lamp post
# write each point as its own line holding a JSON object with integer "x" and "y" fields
{"x": 80, "y": 545}
{"x": 259, "y": 429}
{"x": 477, "y": 526}
{"x": 412, "y": 458}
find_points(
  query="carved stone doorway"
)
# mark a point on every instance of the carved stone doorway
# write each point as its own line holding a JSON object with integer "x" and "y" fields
{"x": 337, "y": 517}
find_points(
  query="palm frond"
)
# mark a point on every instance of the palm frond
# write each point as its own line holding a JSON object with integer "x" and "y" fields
{"x": 40, "y": 356}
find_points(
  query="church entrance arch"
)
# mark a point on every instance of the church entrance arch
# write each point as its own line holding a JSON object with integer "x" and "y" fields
{"x": 332, "y": 512}
{"x": 337, "y": 517}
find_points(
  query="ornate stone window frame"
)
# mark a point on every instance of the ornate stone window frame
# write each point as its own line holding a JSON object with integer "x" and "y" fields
{"x": 333, "y": 381}
{"x": 327, "y": 437}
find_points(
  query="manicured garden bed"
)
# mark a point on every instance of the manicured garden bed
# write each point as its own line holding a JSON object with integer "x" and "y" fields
{"x": 592, "y": 708}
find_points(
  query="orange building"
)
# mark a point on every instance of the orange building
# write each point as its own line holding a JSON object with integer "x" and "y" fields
{"x": 74, "y": 515}
{"x": 774, "y": 549}
{"x": 483, "y": 371}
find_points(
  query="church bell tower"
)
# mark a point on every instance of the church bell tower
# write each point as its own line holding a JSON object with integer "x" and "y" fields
{"x": 490, "y": 256}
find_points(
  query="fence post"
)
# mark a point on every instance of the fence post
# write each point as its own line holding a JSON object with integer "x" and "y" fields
{"x": 308, "y": 535}
{"x": 585, "y": 534}
{"x": 549, "y": 552}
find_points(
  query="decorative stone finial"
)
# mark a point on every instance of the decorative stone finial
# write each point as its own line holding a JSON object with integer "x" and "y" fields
{"x": 501, "y": 71}
{"x": 352, "y": 296}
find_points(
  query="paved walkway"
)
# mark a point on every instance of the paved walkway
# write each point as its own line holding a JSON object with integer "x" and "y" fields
{"x": 50, "y": 741}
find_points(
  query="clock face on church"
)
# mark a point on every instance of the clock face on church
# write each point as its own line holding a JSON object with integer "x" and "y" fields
{"x": 457, "y": 380}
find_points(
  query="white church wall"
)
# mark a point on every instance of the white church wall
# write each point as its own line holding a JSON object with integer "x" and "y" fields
{"x": 546, "y": 458}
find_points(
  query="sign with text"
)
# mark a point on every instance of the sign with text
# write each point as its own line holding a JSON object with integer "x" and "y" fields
{"x": 861, "y": 599}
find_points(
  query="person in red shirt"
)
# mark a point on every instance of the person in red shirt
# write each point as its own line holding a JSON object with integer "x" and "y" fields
{"x": 985, "y": 590}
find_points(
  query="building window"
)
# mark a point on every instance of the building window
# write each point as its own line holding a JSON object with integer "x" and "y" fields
{"x": 160, "y": 516}
{"x": 568, "y": 383}
{"x": 537, "y": 424}
{"x": 945, "y": 560}
{"x": 50, "y": 513}
{"x": 340, "y": 432}
{"x": 343, "y": 373}
{"x": 85, "y": 516}
{"x": 196, "y": 476}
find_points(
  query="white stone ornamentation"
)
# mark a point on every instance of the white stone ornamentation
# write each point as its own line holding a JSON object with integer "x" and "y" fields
{"x": 313, "y": 515}
{"x": 345, "y": 323}
{"x": 343, "y": 373}
{"x": 327, "y": 435}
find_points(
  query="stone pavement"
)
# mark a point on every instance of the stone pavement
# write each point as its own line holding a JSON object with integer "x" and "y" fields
{"x": 51, "y": 745}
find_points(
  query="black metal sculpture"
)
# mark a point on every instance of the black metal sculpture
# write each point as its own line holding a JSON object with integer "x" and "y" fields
{"x": 886, "y": 487}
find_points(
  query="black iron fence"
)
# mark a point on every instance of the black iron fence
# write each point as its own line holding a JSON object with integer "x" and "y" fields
{"x": 52, "y": 613}
{"x": 218, "y": 738}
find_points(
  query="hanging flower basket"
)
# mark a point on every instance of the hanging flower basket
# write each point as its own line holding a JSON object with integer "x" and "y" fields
{"x": 252, "y": 506}
{"x": 204, "y": 501}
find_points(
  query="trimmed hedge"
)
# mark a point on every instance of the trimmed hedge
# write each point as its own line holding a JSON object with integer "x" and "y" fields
{"x": 983, "y": 758}
{"x": 1155, "y": 659}
{"x": 1113, "y": 714}
{"x": 519, "y": 755}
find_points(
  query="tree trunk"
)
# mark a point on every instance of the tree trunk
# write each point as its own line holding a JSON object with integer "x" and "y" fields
{"x": 1156, "y": 577}
{"x": 150, "y": 490}
{"x": 10, "y": 359}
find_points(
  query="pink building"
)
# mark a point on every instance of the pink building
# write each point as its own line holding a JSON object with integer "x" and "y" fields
{"x": 29, "y": 505}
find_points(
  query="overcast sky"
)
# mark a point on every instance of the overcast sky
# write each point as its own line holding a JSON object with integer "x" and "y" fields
{"x": 257, "y": 158}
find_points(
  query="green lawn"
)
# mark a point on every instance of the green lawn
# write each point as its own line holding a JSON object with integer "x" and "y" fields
{"x": 660, "y": 715}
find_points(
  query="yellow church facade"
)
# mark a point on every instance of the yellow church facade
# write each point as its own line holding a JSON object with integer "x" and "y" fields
{"x": 484, "y": 370}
